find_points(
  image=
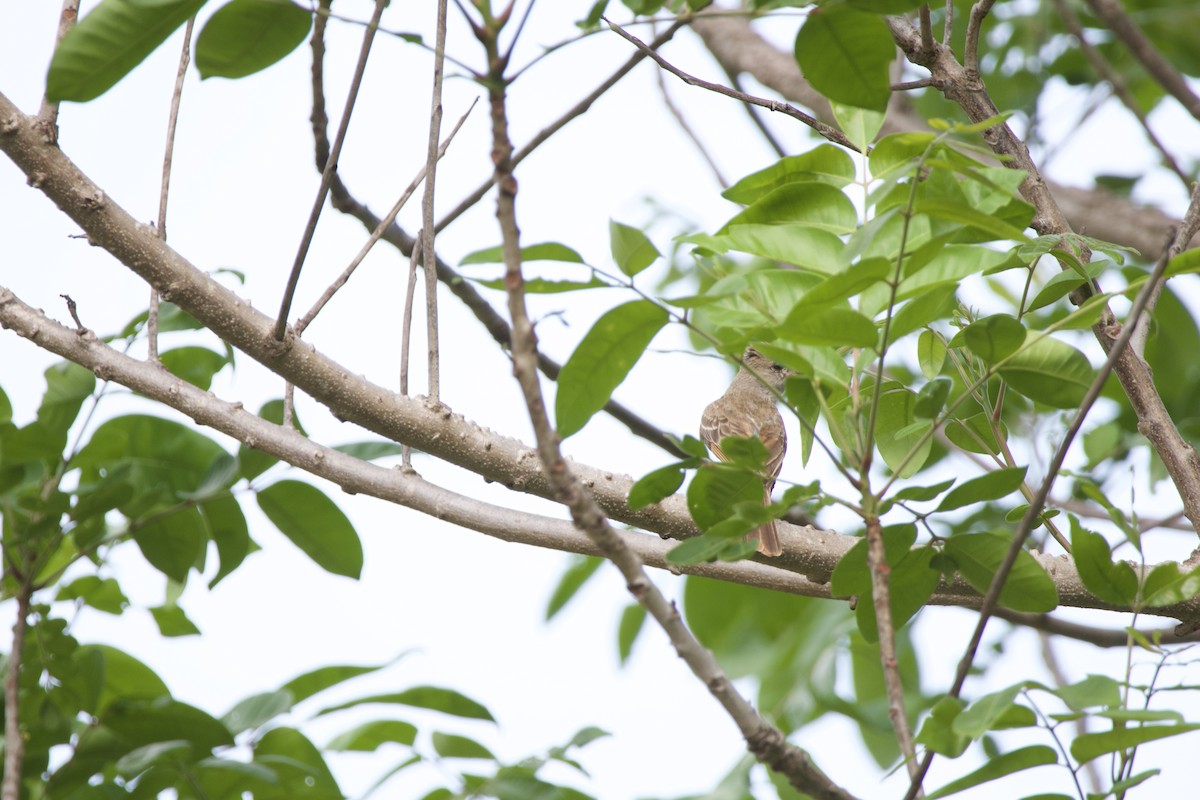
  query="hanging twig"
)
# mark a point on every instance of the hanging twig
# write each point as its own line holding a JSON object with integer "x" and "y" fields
{"x": 327, "y": 173}
{"x": 427, "y": 222}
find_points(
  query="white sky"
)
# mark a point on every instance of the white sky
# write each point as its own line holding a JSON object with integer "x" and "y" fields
{"x": 470, "y": 607}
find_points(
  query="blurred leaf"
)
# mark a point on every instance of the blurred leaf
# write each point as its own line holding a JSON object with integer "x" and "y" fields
{"x": 315, "y": 524}
{"x": 937, "y": 731}
{"x": 825, "y": 163}
{"x": 196, "y": 365}
{"x": 370, "y": 450}
{"x": 994, "y": 338}
{"x": 449, "y": 745}
{"x": 257, "y": 710}
{"x": 814, "y": 205}
{"x": 602, "y": 360}
{"x": 1167, "y": 585}
{"x": 632, "y": 250}
{"x": 1092, "y": 691}
{"x": 102, "y": 594}
{"x": 541, "y": 286}
{"x": 173, "y": 542}
{"x": 573, "y": 578}
{"x": 932, "y": 398}
{"x": 976, "y": 434}
{"x": 1037, "y": 755}
{"x": 931, "y": 353}
{"x": 255, "y": 462}
{"x": 67, "y": 386}
{"x": 299, "y": 764}
{"x": 828, "y": 326}
{"x": 245, "y": 36}
{"x": 163, "y": 720}
{"x": 715, "y": 491}
{"x": 1091, "y": 745}
{"x": 109, "y": 42}
{"x": 435, "y": 698}
{"x": 172, "y": 621}
{"x": 904, "y": 450}
{"x": 318, "y": 680}
{"x": 369, "y": 736}
{"x": 631, "y": 625}
{"x": 546, "y": 251}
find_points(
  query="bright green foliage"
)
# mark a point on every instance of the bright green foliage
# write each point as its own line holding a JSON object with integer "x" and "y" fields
{"x": 846, "y": 54}
{"x": 111, "y": 40}
{"x": 246, "y": 36}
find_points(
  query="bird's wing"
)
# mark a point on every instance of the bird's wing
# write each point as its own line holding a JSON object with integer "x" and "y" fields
{"x": 716, "y": 424}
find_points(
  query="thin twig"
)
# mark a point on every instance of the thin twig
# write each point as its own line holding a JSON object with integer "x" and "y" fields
{"x": 310, "y": 227}
{"x": 74, "y": 312}
{"x": 47, "y": 117}
{"x": 1186, "y": 230}
{"x": 406, "y": 340}
{"x": 974, "y": 30}
{"x": 828, "y": 131}
{"x": 948, "y": 24}
{"x": 755, "y": 116}
{"x": 379, "y": 231}
{"x": 1140, "y": 46}
{"x": 1121, "y": 90}
{"x": 688, "y": 131}
{"x": 185, "y": 57}
{"x": 427, "y": 230}
{"x": 881, "y": 597}
{"x": 926, "y": 25}
{"x": 764, "y": 740}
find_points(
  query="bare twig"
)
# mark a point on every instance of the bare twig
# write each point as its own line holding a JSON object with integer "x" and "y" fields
{"x": 330, "y": 166}
{"x": 380, "y": 229}
{"x": 185, "y": 57}
{"x": 974, "y": 29}
{"x": 881, "y": 597}
{"x": 47, "y": 118}
{"x": 1163, "y": 71}
{"x": 828, "y": 131}
{"x": 688, "y": 131}
{"x": 948, "y": 24}
{"x": 1121, "y": 90}
{"x": 74, "y": 312}
{"x": 427, "y": 222}
{"x": 926, "y": 25}
{"x": 406, "y": 340}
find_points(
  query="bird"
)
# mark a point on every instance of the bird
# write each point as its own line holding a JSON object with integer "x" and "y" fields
{"x": 748, "y": 409}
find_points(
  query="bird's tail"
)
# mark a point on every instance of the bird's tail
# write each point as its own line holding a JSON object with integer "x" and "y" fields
{"x": 768, "y": 539}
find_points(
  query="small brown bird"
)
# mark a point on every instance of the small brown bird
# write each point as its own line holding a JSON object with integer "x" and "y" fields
{"x": 748, "y": 409}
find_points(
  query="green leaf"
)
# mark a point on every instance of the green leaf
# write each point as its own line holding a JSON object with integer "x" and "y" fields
{"x": 602, "y": 360}
{"x": 937, "y": 731}
{"x": 574, "y": 577}
{"x": 255, "y": 462}
{"x": 698, "y": 550}
{"x": 1112, "y": 582}
{"x": 894, "y": 436}
{"x": 977, "y": 556}
{"x": 257, "y": 710}
{"x": 983, "y": 714}
{"x": 301, "y": 768}
{"x": 196, "y": 365}
{"x": 164, "y": 719}
{"x": 315, "y": 524}
{"x": 546, "y": 251}
{"x": 932, "y": 398}
{"x": 226, "y": 525}
{"x": 67, "y": 386}
{"x": 814, "y": 205}
{"x": 627, "y": 631}
{"x": 370, "y": 450}
{"x": 369, "y": 736}
{"x": 992, "y": 486}
{"x": 1167, "y": 585}
{"x": 931, "y": 353}
{"x": 102, "y": 594}
{"x": 453, "y": 746}
{"x": 990, "y": 224}
{"x": 860, "y": 125}
{"x": 109, "y": 42}
{"x": 1092, "y": 691}
{"x": 715, "y": 491}
{"x": 828, "y": 326}
{"x": 795, "y": 243}
{"x": 246, "y": 36}
{"x": 1050, "y": 372}
{"x": 318, "y": 680}
{"x": 120, "y": 676}
{"x": 976, "y": 434}
{"x": 541, "y": 286}
{"x": 656, "y": 486}
{"x": 435, "y": 698}
{"x": 172, "y": 621}
{"x": 1090, "y": 745}
{"x": 841, "y": 285}
{"x": 1037, "y": 755}
{"x": 825, "y": 163}
{"x": 846, "y": 54}
{"x": 174, "y": 543}
{"x": 994, "y": 338}
{"x": 923, "y": 307}
{"x": 632, "y": 250}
